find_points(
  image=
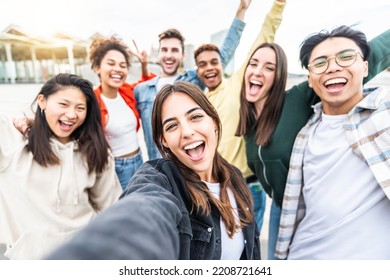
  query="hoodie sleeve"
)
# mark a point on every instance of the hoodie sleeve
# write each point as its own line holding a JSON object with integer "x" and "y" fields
{"x": 107, "y": 188}
{"x": 8, "y": 140}
{"x": 133, "y": 229}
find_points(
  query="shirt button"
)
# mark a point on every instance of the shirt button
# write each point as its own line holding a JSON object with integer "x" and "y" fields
{"x": 245, "y": 241}
{"x": 209, "y": 229}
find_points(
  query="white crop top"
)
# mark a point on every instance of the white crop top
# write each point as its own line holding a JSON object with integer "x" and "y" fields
{"x": 121, "y": 127}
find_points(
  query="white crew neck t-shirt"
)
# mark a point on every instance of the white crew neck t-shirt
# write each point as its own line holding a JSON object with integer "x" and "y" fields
{"x": 121, "y": 127}
{"x": 232, "y": 248}
{"x": 347, "y": 213}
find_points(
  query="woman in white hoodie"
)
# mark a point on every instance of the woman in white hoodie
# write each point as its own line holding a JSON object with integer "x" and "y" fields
{"x": 58, "y": 176}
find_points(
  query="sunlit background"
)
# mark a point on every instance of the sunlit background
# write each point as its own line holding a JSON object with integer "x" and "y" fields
{"x": 143, "y": 20}
{"x": 198, "y": 20}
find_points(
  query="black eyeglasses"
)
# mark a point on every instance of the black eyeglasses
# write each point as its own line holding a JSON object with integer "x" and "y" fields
{"x": 344, "y": 59}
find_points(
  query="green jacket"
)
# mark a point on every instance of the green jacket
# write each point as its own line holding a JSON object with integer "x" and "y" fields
{"x": 270, "y": 163}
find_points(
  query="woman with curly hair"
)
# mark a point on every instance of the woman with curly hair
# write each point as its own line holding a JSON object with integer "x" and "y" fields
{"x": 110, "y": 59}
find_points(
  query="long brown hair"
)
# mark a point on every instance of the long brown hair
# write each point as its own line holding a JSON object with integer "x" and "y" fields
{"x": 90, "y": 136}
{"x": 265, "y": 124}
{"x": 223, "y": 172}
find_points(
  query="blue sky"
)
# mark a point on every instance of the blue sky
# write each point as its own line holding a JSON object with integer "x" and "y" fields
{"x": 196, "y": 19}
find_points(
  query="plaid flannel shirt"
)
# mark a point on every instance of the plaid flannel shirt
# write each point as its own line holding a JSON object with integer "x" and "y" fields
{"x": 367, "y": 130}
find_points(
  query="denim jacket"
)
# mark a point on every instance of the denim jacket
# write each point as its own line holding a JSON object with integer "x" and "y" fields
{"x": 151, "y": 221}
{"x": 145, "y": 93}
{"x": 199, "y": 235}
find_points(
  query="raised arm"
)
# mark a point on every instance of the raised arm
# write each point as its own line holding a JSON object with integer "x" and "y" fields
{"x": 297, "y": 107}
{"x": 9, "y": 139}
{"x": 233, "y": 36}
{"x": 244, "y": 5}
{"x": 131, "y": 229}
{"x": 271, "y": 23}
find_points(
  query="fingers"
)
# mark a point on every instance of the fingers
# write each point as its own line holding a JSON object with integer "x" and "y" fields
{"x": 135, "y": 45}
{"x": 20, "y": 124}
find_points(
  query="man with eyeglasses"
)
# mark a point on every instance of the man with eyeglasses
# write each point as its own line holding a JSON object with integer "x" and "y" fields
{"x": 337, "y": 199}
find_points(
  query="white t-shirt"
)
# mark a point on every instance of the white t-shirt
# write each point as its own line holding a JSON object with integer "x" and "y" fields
{"x": 162, "y": 81}
{"x": 121, "y": 127}
{"x": 232, "y": 248}
{"x": 347, "y": 213}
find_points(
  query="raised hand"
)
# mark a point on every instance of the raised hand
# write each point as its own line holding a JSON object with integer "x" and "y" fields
{"x": 22, "y": 124}
{"x": 244, "y": 5}
{"x": 142, "y": 56}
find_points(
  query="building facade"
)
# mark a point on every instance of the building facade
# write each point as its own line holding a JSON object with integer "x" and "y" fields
{"x": 25, "y": 58}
